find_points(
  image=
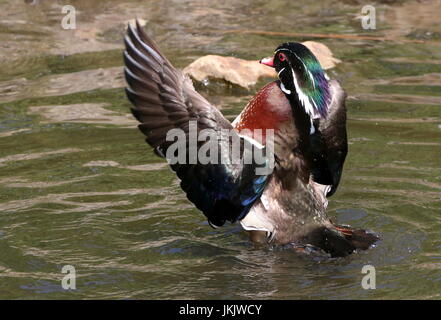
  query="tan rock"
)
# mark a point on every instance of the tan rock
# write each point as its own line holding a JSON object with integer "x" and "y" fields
{"x": 246, "y": 73}
{"x": 82, "y": 113}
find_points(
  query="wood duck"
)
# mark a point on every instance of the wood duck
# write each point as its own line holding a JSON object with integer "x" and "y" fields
{"x": 306, "y": 111}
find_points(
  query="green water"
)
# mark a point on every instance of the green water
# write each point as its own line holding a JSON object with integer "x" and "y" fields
{"x": 79, "y": 186}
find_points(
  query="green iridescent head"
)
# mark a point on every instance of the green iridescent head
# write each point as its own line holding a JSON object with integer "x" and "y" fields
{"x": 301, "y": 75}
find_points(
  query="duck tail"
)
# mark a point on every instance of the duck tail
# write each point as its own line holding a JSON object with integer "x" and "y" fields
{"x": 340, "y": 241}
{"x": 359, "y": 238}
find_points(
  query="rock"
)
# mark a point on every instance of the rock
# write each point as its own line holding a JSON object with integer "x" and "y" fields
{"x": 132, "y": 22}
{"x": 246, "y": 73}
{"x": 82, "y": 113}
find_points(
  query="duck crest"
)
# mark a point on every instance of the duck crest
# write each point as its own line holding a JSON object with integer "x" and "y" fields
{"x": 308, "y": 79}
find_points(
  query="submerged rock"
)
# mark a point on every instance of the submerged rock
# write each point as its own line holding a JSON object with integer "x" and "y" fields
{"x": 246, "y": 73}
{"x": 93, "y": 113}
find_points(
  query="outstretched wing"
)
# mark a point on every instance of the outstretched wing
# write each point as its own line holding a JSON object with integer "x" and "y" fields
{"x": 164, "y": 99}
{"x": 329, "y": 143}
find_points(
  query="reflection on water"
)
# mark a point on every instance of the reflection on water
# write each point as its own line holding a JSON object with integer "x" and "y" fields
{"x": 79, "y": 186}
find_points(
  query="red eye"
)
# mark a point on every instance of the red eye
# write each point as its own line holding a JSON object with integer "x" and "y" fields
{"x": 282, "y": 57}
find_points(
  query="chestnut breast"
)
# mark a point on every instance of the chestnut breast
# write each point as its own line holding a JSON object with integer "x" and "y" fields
{"x": 268, "y": 109}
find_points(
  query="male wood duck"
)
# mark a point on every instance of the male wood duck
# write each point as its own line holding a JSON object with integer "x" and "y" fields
{"x": 307, "y": 112}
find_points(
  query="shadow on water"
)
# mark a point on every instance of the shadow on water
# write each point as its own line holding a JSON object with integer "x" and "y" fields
{"x": 80, "y": 187}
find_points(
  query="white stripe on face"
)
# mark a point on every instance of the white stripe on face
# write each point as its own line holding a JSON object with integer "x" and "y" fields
{"x": 280, "y": 72}
{"x": 304, "y": 100}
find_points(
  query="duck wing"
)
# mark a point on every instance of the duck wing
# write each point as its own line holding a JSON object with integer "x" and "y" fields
{"x": 329, "y": 144}
{"x": 164, "y": 100}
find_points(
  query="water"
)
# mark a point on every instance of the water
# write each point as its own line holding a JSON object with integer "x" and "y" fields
{"x": 79, "y": 186}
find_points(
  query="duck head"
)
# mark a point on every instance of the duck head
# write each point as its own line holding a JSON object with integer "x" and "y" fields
{"x": 301, "y": 78}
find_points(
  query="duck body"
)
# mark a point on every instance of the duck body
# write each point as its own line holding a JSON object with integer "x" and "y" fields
{"x": 307, "y": 118}
{"x": 292, "y": 206}
{"x": 288, "y": 203}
